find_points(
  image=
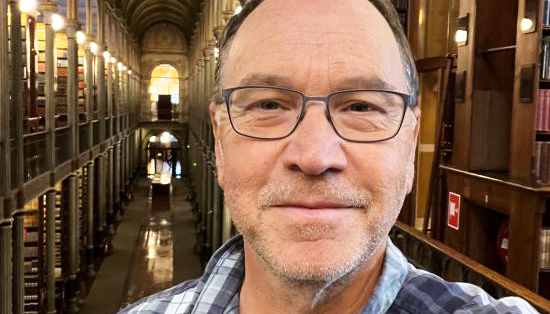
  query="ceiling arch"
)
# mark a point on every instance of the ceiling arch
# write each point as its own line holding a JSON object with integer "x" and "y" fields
{"x": 142, "y": 14}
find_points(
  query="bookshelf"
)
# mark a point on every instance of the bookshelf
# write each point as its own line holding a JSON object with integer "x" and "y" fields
{"x": 33, "y": 257}
{"x": 61, "y": 109}
{"x": 402, "y": 7}
{"x": 499, "y": 164}
{"x": 81, "y": 84}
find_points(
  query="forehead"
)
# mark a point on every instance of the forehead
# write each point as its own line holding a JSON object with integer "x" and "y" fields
{"x": 315, "y": 42}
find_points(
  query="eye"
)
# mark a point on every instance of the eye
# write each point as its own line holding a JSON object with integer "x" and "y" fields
{"x": 361, "y": 107}
{"x": 269, "y": 105}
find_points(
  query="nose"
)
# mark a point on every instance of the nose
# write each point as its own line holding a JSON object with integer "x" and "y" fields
{"x": 314, "y": 148}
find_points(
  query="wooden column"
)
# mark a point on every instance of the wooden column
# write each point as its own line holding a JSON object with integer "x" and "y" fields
{"x": 16, "y": 95}
{"x": 5, "y": 112}
{"x": 90, "y": 203}
{"x": 71, "y": 27}
{"x": 72, "y": 246}
{"x": 48, "y": 9}
{"x": 101, "y": 88}
{"x": 5, "y": 267}
{"x": 100, "y": 204}
{"x": 18, "y": 263}
{"x": 110, "y": 194}
{"x": 50, "y": 252}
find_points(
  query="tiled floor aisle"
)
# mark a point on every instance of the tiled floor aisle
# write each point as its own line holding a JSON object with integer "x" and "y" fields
{"x": 153, "y": 251}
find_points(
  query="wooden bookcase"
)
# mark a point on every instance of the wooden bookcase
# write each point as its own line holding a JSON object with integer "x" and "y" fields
{"x": 503, "y": 204}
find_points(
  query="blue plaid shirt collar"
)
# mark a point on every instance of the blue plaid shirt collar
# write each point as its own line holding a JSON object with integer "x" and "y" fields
{"x": 219, "y": 289}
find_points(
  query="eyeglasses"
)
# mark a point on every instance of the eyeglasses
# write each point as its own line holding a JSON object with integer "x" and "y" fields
{"x": 356, "y": 115}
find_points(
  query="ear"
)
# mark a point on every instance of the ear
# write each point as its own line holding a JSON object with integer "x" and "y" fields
{"x": 415, "y": 114}
{"x": 215, "y": 113}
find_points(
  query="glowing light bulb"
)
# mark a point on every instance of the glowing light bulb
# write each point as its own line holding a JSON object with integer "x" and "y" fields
{"x": 130, "y": 72}
{"x": 106, "y": 55}
{"x": 526, "y": 24}
{"x": 94, "y": 48}
{"x": 165, "y": 138}
{"x": 80, "y": 37}
{"x": 125, "y": 68}
{"x": 461, "y": 36}
{"x": 27, "y": 5}
{"x": 57, "y": 22}
{"x": 113, "y": 60}
{"x": 120, "y": 66}
{"x": 153, "y": 139}
{"x": 216, "y": 52}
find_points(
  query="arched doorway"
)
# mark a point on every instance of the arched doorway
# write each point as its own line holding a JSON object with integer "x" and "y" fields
{"x": 163, "y": 91}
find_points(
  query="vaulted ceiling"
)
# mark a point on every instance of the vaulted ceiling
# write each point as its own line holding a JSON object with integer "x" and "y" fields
{"x": 142, "y": 14}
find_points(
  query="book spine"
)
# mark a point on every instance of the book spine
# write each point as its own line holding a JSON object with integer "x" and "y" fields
{"x": 544, "y": 163}
{"x": 545, "y": 123}
{"x": 538, "y": 160}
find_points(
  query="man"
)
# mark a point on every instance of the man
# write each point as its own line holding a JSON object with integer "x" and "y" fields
{"x": 315, "y": 126}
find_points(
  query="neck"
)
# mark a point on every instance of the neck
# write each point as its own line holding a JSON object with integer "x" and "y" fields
{"x": 266, "y": 292}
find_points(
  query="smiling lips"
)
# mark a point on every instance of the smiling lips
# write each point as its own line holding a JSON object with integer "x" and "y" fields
{"x": 313, "y": 210}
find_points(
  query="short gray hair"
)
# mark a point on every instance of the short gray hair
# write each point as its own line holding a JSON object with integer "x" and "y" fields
{"x": 384, "y": 7}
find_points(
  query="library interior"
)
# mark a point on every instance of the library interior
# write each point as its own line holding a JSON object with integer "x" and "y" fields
{"x": 109, "y": 188}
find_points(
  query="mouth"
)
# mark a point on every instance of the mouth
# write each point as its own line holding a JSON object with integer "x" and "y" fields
{"x": 314, "y": 210}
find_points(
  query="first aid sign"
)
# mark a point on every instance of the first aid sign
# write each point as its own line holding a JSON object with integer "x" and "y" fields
{"x": 453, "y": 211}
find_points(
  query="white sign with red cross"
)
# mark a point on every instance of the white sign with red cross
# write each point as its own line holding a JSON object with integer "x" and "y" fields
{"x": 453, "y": 211}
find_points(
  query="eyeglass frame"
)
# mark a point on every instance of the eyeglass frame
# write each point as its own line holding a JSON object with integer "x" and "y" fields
{"x": 408, "y": 101}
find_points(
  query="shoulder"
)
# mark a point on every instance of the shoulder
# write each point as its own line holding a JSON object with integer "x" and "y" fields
{"x": 424, "y": 292}
{"x": 174, "y": 300}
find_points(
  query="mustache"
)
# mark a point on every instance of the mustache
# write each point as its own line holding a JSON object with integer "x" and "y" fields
{"x": 339, "y": 193}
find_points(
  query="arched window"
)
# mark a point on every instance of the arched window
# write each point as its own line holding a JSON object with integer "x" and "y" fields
{"x": 165, "y": 81}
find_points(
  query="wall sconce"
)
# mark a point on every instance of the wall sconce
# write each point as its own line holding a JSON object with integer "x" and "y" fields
{"x": 57, "y": 22}
{"x": 94, "y": 48}
{"x": 238, "y": 10}
{"x": 461, "y": 35}
{"x": 80, "y": 37}
{"x": 106, "y": 55}
{"x": 27, "y": 5}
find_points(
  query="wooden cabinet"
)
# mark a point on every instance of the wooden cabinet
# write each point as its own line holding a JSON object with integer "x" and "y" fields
{"x": 505, "y": 204}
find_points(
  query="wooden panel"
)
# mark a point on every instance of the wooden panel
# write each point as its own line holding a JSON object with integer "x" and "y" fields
{"x": 523, "y": 114}
{"x": 466, "y": 55}
{"x": 525, "y": 224}
{"x": 490, "y": 127}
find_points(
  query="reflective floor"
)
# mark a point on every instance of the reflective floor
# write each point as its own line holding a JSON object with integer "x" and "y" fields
{"x": 153, "y": 250}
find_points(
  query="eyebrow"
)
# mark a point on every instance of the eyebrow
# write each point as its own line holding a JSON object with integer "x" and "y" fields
{"x": 267, "y": 80}
{"x": 367, "y": 82}
{"x": 356, "y": 82}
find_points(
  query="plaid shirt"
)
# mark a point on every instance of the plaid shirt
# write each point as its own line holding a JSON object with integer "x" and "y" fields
{"x": 401, "y": 289}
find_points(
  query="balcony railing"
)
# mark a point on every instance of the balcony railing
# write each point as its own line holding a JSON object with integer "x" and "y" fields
{"x": 431, "y": 255}
{"x": 83, "y": 142}
{"x": 107, "y": 127}
{"x": 34, "y": 146}
{"x": 62, "y": 139}
{"x": 95, "y": 128}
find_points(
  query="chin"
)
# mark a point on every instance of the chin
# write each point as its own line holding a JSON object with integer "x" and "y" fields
{"x": 320, "y": 259}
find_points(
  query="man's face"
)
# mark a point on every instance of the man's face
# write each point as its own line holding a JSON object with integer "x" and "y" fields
{"x": 313, "y": 206}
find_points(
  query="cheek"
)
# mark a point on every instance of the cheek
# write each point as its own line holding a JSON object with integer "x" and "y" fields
{"x": 248, "y": 165}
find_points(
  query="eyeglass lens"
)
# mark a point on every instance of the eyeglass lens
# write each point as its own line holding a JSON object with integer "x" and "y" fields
{"x": 356, "y": 115}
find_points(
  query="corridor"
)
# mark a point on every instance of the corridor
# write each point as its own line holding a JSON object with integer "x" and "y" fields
{"x": 152, "y": 251}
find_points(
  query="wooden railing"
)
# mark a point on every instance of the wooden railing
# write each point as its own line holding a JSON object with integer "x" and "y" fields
{"x": 426, "y": 253}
